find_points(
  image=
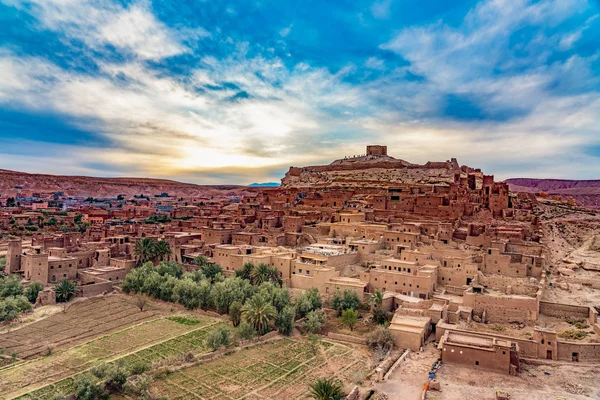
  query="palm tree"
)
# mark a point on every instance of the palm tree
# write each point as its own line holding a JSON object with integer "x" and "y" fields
{"x": 376, "y": 299}
{"x": 65, "y": 290}
{"x": 258, "y": 312}
{"x": 144, "y": 250}
{"x": 201, "y": 260}
{"x": 245, "y": 272}
{"x": 326, "y": 389}
{"x": 162, "y": 249}
{"x": 264, "y": 273}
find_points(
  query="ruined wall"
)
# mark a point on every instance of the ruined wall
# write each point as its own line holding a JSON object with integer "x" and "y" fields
{"x": 565, "y": 311}
{"x": 586, "y": 352}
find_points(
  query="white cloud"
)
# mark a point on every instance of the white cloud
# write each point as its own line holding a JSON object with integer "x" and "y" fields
{"x": 133, "y": 29}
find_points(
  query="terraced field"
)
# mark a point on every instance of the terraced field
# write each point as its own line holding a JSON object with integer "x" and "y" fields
{"x": 154, "y": 340}
{"x": 280, "y": 369}
{"x": 81, "y": 322}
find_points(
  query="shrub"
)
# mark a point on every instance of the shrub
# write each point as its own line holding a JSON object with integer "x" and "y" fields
{"x": 218, "y": 338}
{"x": 32, "y": 291}
{"x": 573, "y": 334}
{"x": 11, "y": 286}
{"x": 314, "y": 321}
{"x": 246, "y": 330}
{"x": 380, "y": 339}
{"x": 11, "y": 307}
{"x": 88, "y": 388}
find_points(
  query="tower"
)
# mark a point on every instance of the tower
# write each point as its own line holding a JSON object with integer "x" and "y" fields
{"x": 13, "y": 256}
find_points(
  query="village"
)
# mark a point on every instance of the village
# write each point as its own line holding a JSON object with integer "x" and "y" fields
{"x": 396, "y": 280}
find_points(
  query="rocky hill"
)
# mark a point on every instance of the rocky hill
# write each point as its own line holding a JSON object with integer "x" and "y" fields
{"x": 13, "y": 182}
{"x": 586, "y": 193}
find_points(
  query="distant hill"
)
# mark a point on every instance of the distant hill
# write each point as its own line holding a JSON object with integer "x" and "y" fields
{"x": 585, "y": 193}
{"x": 264, "y": 184}
{"x": 13, "y": 182}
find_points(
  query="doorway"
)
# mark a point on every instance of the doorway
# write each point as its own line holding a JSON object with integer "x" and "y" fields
{"x": 548, "y": 354}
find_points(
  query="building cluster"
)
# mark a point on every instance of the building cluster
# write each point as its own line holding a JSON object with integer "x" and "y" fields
{"x": 445, "y": 244}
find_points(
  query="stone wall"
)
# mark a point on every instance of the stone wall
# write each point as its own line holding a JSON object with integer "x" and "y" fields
{"x": 566, "y": 311}
{"x": 586, "y": 352}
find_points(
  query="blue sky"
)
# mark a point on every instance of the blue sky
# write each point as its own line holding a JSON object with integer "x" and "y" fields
{"x": 238, "y": 91}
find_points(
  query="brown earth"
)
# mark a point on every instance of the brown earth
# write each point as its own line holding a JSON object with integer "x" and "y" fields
{"x": 584, "y": 192}
{"x": 106, "y": 187}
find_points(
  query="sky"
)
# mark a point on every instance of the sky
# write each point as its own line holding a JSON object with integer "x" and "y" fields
{"x": 238, "y": 91}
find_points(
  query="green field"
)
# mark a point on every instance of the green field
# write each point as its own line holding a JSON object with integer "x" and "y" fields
{"x": 279, "y": 369}
{"x": 151, "y": 341}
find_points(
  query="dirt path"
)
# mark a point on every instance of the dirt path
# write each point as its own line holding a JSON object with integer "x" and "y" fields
{"x": 408, "y": 379}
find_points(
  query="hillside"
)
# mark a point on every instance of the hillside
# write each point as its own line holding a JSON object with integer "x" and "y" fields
{"x": 585, "y": 192}
{"x": 13, "y": 182}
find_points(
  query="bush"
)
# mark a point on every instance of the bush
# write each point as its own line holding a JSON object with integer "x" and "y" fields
{"x": 573, "y": 334}
{"x": 88, "y": 388}
{"x": 218, "y": 338}
{"x": 380, "y": 339}
{"x": 11, "y": 286}
{"x": 11, "y": 307}
{"x": 379, "y": 316}
{"x": 32, "y": 291}
{"x": 246, "y": 330}
{"x": 314, "y": 321}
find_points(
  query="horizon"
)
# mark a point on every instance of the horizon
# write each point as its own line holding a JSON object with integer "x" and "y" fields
{"x": 194, "y": 92}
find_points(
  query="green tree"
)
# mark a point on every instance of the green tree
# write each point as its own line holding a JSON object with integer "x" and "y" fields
{"x": 211, "y": 271}
{"x": 307, "y": 301}
{"x": 230, "y": 290}
{"x": 65, "y": 290}
{"x": 349, "y": 318}
{"x": 161, "y": 250}
{"x": 258, "y": 312}
{"x": 314, "y": 321}
{"x": 11, "y": 286}
{"x": 12, "y": 306}
{"x": 136, "y": 278}
{"x": 265, "y": 273}
{"x": 235, "y": 313}
{"x": 326, "y": 389}
{"x": 144, "y": 250}
{"x": 201, "y": 260}
{"x": 343, "y": 301}
{"x": 170, "y": 268}
{"x": 187, "y": 292}
{"x": 376, "y": 299}
{"x": 245, "y": 272}
{"x": 32, "y": 291}
{"x": 284, "y": 322}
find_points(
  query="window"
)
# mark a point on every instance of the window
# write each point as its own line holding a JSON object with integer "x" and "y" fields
{"x": 476, "y": 362}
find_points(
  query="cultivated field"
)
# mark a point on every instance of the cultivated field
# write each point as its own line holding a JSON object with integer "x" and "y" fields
{"x": 280, "y": 369}
{"x": 81, "y": 322}
{"x": 155, "y": 339}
